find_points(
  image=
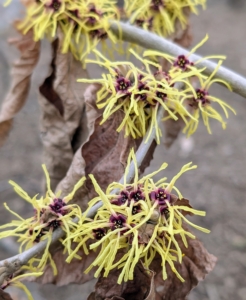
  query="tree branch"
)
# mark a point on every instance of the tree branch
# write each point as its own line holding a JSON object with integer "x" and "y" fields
{"x": 150, "y": 40}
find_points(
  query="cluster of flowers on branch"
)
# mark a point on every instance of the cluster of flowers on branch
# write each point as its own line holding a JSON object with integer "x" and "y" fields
{"x": 83, "y": 23}
{"x": 161, "y": 16}
{"x": 51, "y": 213}
{"x": 139, "y": 92}
{"x": 197, "y": 100}
{"x": 136, "y": 222}
{"x": 142, "y": 220}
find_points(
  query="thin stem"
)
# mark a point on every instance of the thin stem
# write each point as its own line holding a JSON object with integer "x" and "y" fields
{"x": 152, "y": 41}
{"x": 39, "y": 248}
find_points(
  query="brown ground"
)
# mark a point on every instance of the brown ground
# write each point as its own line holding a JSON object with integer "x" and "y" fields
{"x": 218, "y": 186}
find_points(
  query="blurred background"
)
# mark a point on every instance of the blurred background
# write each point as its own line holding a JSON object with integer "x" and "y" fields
{"x": 218, "y": 185}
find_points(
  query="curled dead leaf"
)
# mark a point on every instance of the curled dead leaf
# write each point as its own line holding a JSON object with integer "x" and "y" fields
{"x": 62, "y": 105}
{"x": 172, "y": 130}
{"x": 77, "y": 167}
{"x": 153, "y": 295}
{"x": 74, "y": 174}
{"x": 72, "y": 272}
{"x": 196, "y": 264}
{"x": 47, "y": 89}
{"x": 92, "y": 112}
{"x": 140, "y": 288}
{"x": 184, "y": 202}
{"x": 185, "y": 39}
{"x": 106, "y": 150}
{"x": 145, "y": 233}
{"x": 180, "y": 31}
{"x": 21, "y": 73}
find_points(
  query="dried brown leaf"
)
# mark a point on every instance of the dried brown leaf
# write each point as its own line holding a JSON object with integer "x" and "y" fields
{"x": 104, "y": 153}
{"x": 87, "y": 119}
{"x": 197, "y": 263}
{"x": 47, "y": 89}
{"x": 4, "y": 296}
{"x": 21, "y": 77}
{"x": 140, "y": 288}
{"x": 106, "y": 150}
{"x": 145, "y": 232}
{"x": 180, "y": 31}
{"x": 74, "y": 174}
{"x": 77, "y": 167}
{"x": 148, "y": 157}
{"x": 72, "y": 272}
{"x": 153, "y": 295}
{"x": 92, "y": 112}
{"x": 185, "y": 39}
{"x": 184, "y": 202}
{"x": 172, "y": 130}
{"x": 62, "y": 105}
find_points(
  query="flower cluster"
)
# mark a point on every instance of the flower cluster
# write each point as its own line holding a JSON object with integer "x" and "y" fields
{"x": 197, "y": 100}
{"x": 138, "y": 93}
{"x": 83, "y": 22}
{"x": 160, "y": 16}
{"x": 50, "y": 213}
{"x": 141, "y": 221}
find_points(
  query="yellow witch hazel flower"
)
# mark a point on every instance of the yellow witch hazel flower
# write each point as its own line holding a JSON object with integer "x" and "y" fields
{"x": 138, "y": 93}
{"x": 144, "y": 219}
{"x": 160, "y": 16}
{"x": 83, "y": 22}
{"x": 51, "y": 213}
{"x": 182, "y": 67}
{"x": 198, "y": 101}
{"x": 43, "y": 17}
{"x": 201, "y": 104}
{"x": 88, "y": 25}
